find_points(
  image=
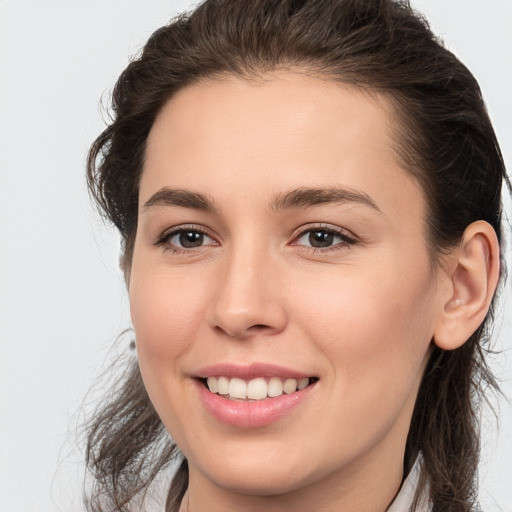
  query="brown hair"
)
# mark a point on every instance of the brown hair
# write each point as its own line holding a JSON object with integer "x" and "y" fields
{"x": 445, "y": 140}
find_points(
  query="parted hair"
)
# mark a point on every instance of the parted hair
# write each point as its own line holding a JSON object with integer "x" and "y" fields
{"x": 445, "y": 140}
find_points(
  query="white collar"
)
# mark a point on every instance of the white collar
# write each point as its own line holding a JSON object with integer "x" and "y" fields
{"x": 405, "y": 497}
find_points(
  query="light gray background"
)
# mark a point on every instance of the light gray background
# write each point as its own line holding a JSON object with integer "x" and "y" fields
{"x": 62, "y": 298}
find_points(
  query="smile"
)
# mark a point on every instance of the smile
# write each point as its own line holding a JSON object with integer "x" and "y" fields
{"x": 259, "y": 388}
{"x": 255, "y": 395}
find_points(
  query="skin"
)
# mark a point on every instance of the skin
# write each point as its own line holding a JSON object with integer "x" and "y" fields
{"x": 359, "y": 315}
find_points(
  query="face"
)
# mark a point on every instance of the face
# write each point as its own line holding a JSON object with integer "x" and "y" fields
{"x": 281, "y": 245}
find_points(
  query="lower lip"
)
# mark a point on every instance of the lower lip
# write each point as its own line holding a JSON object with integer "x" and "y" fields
{"x": 251, "y": 414}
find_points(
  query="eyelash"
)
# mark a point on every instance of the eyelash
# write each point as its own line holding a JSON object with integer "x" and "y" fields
{"x": 165, "y": 238}
{"x": 346, "y": 239}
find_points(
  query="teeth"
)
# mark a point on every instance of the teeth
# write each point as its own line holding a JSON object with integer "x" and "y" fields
{"x": 275, "y": 387}
{"x": 256, "y": 389}
{"x": 290, "y": 386}
{"x": 237, "y": 388}
{"x": 302, "y": 383}
{"x": 212, "y": 384}
{"x": 222, "y": 385}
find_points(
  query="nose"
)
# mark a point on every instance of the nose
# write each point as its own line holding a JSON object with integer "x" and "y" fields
{"x": 248, "y": 300}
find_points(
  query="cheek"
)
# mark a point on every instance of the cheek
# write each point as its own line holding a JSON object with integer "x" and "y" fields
{"x": 165, "y": 318}
{"x": 165, "y": 306}
{"x": 370, "y": 305}
{"x": 374, "y": 331}
{"x": 165, "y": 314}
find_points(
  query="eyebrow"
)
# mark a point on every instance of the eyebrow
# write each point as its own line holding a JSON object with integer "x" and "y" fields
{"x": 180, "y": 197}
{"x": 297, "y": 198}
{"x": 304, "y": 197}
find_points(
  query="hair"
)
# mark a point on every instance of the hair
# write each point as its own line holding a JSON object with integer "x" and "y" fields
{"x": 444, "y": 139}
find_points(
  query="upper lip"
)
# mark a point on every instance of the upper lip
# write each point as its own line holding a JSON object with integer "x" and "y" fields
{"x": 250, "y": 371}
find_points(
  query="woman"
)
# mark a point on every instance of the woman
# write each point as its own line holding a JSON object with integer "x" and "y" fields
{"x": 309, "y": 198}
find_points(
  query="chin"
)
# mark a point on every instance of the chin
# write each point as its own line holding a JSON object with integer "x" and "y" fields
{"x": 249, "y": 473}
{"x": 262, "y": 482}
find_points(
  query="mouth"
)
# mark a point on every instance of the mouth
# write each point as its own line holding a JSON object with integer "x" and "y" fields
{"x": 256, "y": 395}
{"x": 255, "y": 389}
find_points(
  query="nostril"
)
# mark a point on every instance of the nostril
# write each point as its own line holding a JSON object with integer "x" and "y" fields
{"x": 259, "y": 329}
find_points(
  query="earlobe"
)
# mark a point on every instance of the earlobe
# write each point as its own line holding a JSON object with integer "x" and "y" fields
{"x": 472, "y": 274}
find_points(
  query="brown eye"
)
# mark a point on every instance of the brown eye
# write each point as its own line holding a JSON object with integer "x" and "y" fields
{"x": 324, "y": 238}
{"x": 321, "y": 238}
{"x": 190, "y": 239}
{"x": 187, "y": 239}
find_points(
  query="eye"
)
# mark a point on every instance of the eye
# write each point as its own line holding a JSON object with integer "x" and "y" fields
{"x": 183, "y": 238}
{"x": 324, "y": 238}
{"x": 188, "y": 239}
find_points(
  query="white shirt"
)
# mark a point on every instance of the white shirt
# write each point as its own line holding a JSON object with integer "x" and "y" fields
{"x": 404, "y": 499}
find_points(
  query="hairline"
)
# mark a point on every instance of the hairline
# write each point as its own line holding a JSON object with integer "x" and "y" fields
{"x": 390, "y": 99}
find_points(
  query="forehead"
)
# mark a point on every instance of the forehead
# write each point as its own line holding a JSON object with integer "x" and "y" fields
{"x": 273, "y": 133}
{"x": 280, "y": 104}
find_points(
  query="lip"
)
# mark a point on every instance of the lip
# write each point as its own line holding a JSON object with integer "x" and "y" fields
{"x": 251, "y": 414}
{"x": 248, "y": 372}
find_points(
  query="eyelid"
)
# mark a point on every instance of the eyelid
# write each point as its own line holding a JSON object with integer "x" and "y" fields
{"x": 164, "y": 237}
{"x": 348, "y": 238}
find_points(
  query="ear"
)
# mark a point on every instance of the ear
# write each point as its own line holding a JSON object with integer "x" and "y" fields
{"x": 470, "y": 276}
